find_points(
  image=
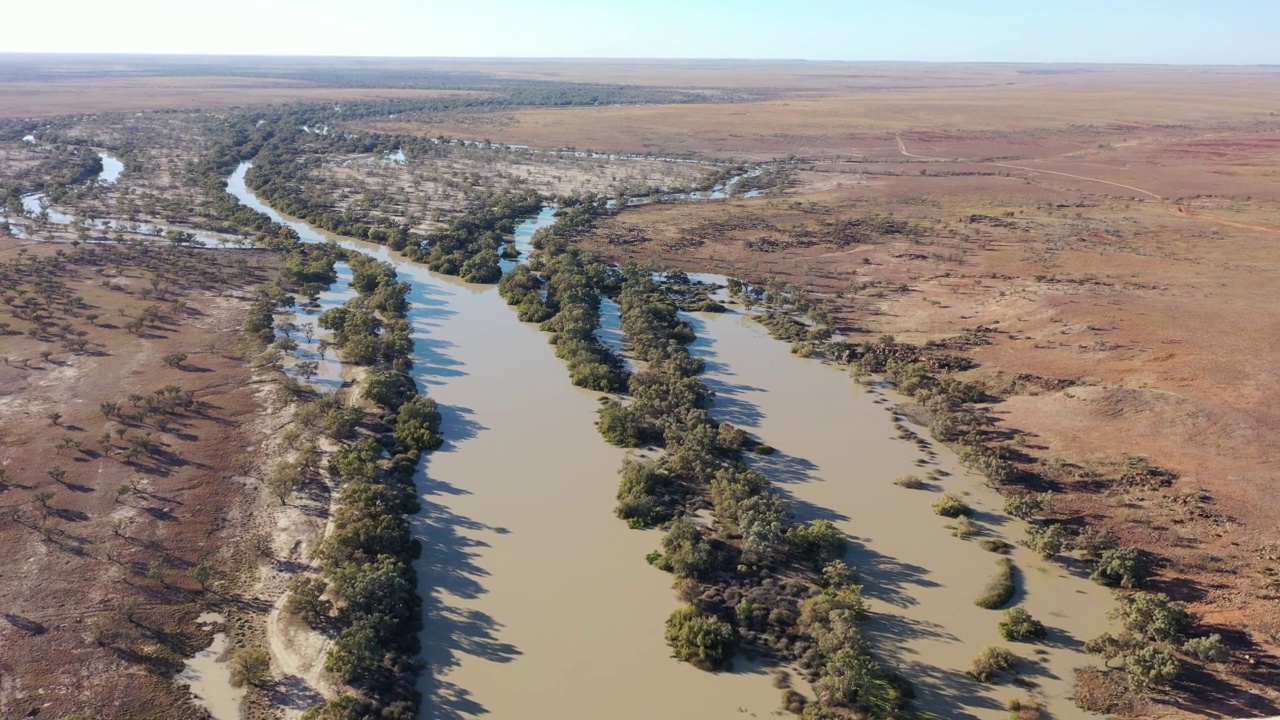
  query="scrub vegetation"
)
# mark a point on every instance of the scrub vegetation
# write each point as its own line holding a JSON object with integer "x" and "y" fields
{"x": 1000, "y": 294}
{"x": 753, "y": 578}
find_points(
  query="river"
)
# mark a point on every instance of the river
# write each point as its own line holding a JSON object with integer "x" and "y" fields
{"x": 837, "y": 456}
{"x": 536, "y": 598}
{"x": 33, "y": 204}
{"x": 538, "y": 601}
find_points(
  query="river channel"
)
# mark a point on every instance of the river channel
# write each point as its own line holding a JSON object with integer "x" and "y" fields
{"x": 538, "y": 601}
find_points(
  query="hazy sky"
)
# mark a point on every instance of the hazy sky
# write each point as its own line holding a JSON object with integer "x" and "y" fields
{"x": 1163, "y": 31}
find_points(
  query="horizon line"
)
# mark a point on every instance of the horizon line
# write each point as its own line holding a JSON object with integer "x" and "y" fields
{"x": 600, "y": 58}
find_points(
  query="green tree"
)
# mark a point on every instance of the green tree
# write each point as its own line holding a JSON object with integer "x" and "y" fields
{"x": 1048, "y": 540}
{"x": 701, "y": 640}
{"x": 1119, "y": 567}
{"x": 1207, "y": 649}
{"x": 203, "y": 573}
{"x": 355, "y": 654}
{"x": 306, "y": 599}
{"x": 1018, "y": 625}
{"x": 249, "y": 666}
{"x": 686, "y": 552}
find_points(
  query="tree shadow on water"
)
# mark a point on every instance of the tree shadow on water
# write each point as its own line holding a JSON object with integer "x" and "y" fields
{"x": 949, "y": 692}
{"x": 431, "y": 362}
{"x": 458, "y": 425}
{"x": 729, "y": 405}
{"x": 449, "y": 573}
{"x": 784, "y": 469}
{"x": 886, "y": 579}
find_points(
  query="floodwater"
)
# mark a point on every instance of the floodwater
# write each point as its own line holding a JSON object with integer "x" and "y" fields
{"x": 328, "y": 376}
{"x": 35, "y": 202}
{"x": 523, "y": 236}
{"x": 537, "y": 600}
{"x": 112, "y": 169}
{"x": 837, "y": 455}
{"x": 210, "y": 678}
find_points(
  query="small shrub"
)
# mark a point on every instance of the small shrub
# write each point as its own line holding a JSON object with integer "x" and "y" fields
{"x": 730, "y": 437}
{"x": 1017, "y": 625}
{"x": 1000, "y": 588}
{"x": 793, "y": 702}
{"x": 1047, "y": 540}
{"x": 964, "y": 528}
{"x": 620, "y": 425}
{"x": 1119, "y": 567}
{"x": 995, "y": 545}
{"x": 686, "y": 552}
{"x": 837, "y": 574}
{"x": 1152, "y": 666}
{"x": 1025, "y": 710}
{"x": 991, "y": 663}
{"x": 1093, "y": 542}
{"x": 637, "y": 499}
{"x": 951, "y": 505}
{"x": 1153, "y": 616}
{"x": 701, "y": 640}
{"x": 910, "y": 482}
{"x": 1028, "y": 506}
{"x": 249, "y": 666}
{"x": 819, "y": 542}
{"x": 1207, "y": 649}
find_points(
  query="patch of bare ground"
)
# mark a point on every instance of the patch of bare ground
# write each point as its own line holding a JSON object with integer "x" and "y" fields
{"x": 425, "y": 191}
{"x": 855, "y": 110}
{"x": 126, "y": 400}
{"x": 292, "y": 526}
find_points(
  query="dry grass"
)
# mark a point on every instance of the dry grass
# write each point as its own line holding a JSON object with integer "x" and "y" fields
{"x": 98, "y": 599}
{"x": 837, "y": 117}
{"x": 137, "y": 94}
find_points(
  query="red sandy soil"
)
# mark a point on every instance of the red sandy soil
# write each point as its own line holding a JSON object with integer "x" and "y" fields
{"x": 98, "y": 606}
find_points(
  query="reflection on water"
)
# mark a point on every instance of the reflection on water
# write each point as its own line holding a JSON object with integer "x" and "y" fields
{"x": 523, "y": 236}
{"x": 111, "y": 169}
{"x": 309, "y": 335}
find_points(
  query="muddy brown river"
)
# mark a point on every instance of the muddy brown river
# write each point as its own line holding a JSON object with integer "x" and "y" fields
{"x": 538, "y": 601}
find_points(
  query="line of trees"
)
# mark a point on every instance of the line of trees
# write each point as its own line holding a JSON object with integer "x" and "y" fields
{"x": 752, "y": 577}
{"x": 367, "y": 588}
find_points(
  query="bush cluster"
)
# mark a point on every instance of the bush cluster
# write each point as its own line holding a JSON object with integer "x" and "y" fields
{"x": 753, "y": 575}
{"x": 472, "y": 244}
{"x": 367, "y": 589}
{"x": 1000, "y": 588}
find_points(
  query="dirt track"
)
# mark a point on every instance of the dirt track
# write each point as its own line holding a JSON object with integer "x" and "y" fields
{"x": 1173, "y": 207}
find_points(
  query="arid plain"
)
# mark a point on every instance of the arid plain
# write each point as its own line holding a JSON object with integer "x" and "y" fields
{"x": 1101, "y": 242}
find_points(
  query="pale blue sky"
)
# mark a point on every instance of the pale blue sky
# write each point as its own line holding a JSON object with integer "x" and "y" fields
{"x": 1150, "y": 31}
